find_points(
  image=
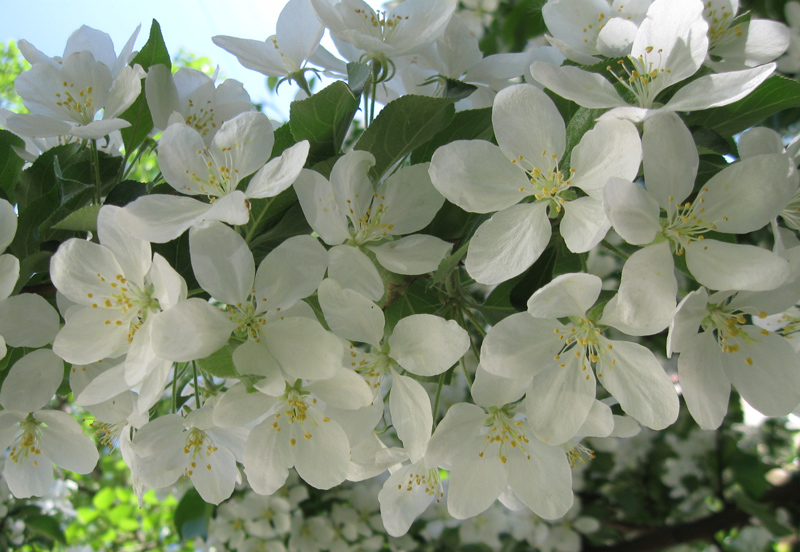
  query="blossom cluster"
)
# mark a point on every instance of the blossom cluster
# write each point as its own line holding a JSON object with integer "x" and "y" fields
{"x": 256, "y": 308}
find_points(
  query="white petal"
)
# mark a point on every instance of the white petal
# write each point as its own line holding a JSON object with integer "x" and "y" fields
{"x": 477, "y": 176}
{"x": 190, "y": 330}
{"x": 719, "y": 89}
{"x": 599, "y": 422}
{"x": 566, "y": 295}
{"x": 161, "y": 94}
{"x": 527, "y": 125}
{"x": 584, "y": 224}
{"x": 290, "y": 272}
{"x": 489, "y": 389}
{"x": 280, "y": 173}
{"x": 132, "y": 254}
{"x": 475, "y": 480}
{"x": 32, "y": 381}
{"x": 238, "y": 407}
{"x": 517, "y": 346}
{"x": 9, "y": 274}
{"x": 402, "y": 499}
{"x": 316, "y": 198}
{"x": 352, "y": 187}
{"x": 664, "y": 140}
{"x": 351, "y": 315}
{"x": 303, "y": 348}
{"x": 640, "y": 384}
{"x": 453, "y": 432}
{"x": 215, "y": 476}
{"x": 354, "y": 270}
{"x": 91, "y": 335}
{"x": 410, "y": 199}
{"x": 412, "y": 255}
{"x": 246, "y": 141}
{"x": 704, "y": 384}
{"x": 747, "y": 195}
{"x": 508, "y": 243}
{"x": 178, "y": 158}
{"x": 160, "y": 218}
{"x": 28, "y": 320}
{"x": 252, "y": 358}
{"x": 759, "y": 141}
{"x": 126, "y": 88}
{"x": 544, "y": 481}
{"x": 322, "y": 459}
{"x": 266, "y": 458}
{"x": 427, "y": 345}
{"x": 412, "y": 416}
{"x": 346, "y": 390}
{"x": 633, "y": 212}
{"x": 222, "y": 262}
{"x": 584, "y": 88}
{"x": 29, "y": 478}
{"x": 81, "y": 269}
{"x": 64, "y": 443}
{"x": 645, "y": 303}
{"x": 559, "y": 399}
{"x": 611, "y": 148}
{"x": 723, "y": 266}
{"x": 766, "y": 373}
{"x": 686, "y": 322}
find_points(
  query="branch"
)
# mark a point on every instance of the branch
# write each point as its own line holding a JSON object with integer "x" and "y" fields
{"x": 702, "y": 529}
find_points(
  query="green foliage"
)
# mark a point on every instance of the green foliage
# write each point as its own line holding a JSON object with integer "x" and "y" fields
{"x": 323, "y": 120}
{"x": 11, "y": 64}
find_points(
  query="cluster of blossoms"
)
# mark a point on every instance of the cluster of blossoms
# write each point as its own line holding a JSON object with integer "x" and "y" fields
{"x": 281, "y": 294}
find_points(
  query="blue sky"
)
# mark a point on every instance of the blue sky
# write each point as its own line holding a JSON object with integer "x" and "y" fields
{"x": 187, "y": 24}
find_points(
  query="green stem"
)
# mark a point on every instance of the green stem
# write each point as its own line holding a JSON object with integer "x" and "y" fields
{"x": 436, "y": 400}
{"x": 475, "y": 323}
{"x": 96, "y": 162}
{"x": 175, "y": 388}
{"x": 466, "y": 373}
{"x": 196, "y": 387}
{"x": 254, "y": 224}
{"x": 614, "y": 249}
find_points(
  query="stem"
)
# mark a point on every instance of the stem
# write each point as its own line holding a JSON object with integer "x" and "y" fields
{"x": 96, "y": 163}
{"x": 475, "y": 323}
{"x": 466, "y": 373}
{"x": 252, "y": 229}
{"x": 196, "y": 387}
{"x": 614, "y": 249}
{"x": 175, "y": 388}
{"x": 436, "y": 400}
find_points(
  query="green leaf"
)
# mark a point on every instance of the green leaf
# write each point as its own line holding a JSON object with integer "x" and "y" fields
{"x": 283, "y": 140}
{"x": 154, "y": 51}
{"x": 357, "y": 76}
{"x": 457, "y": 90}
{"x": 39, "y": 178}
{"x": 27, "y": 239}
{"x": 762, "y": 512}
{"x": 450, "y": 263}
{"x": 220, "y": 363}
{"x": 192, "y": 515}
{"x": 581, "y": 122}
{"x": 138, "y": 114}
{"x": 46, "y": 526}
{"x": 82, "y": 220}
{"x": 773, "y": 95}
{"x": 471, "y": 124}
{"x": 403, "y": 125}
{"x": 498, "y": 304}
{"x": 537, "y": 276}
{"x": 35, "y": 263}
{"x": 292, "y": 223}
{"x": 125, "y": 192}
{"x": 10, "y": 162}
{"x": 419, "y": 297}
{"x": 104, "y": 498}
{"x": 323, "y": 120}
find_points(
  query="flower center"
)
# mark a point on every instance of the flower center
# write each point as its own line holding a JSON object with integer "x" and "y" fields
{"x": 201, "y": 118}
{"x": 200, "y": 446}
{"x": 726, "y": 323}
{"x": 132, "y": 301}
{"x": 430, "y": 481}
{"x": 547, "y": 184}
{"x": 27, "y": 445}
{"x": 645, "y": 78}
{"x": 504, "y": 434}
{"x": 78, "y": 104}
{"x": 687, "y": 223}
{"x": 221, "y": 178}
{"x": 368, "y": 227}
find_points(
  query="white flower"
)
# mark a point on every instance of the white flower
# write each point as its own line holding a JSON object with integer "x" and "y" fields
{"x": 65, "y": 98}
{"x": 241, "y": 147}
{"x": 173, "y": 446}
{"x": 719, "y": 347}
{"x": 490, "y": 452}
{"x": 120, "y": 289}
{"x": 559, "y": 358}
{"x": 480, "y": 177}
{"x": 38, "y": 438}
{"x": 670, "y": 46}
{"x": 190, "y": 97}
{"x": 404, "y": 203}
{"x": 743, "y": 197}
